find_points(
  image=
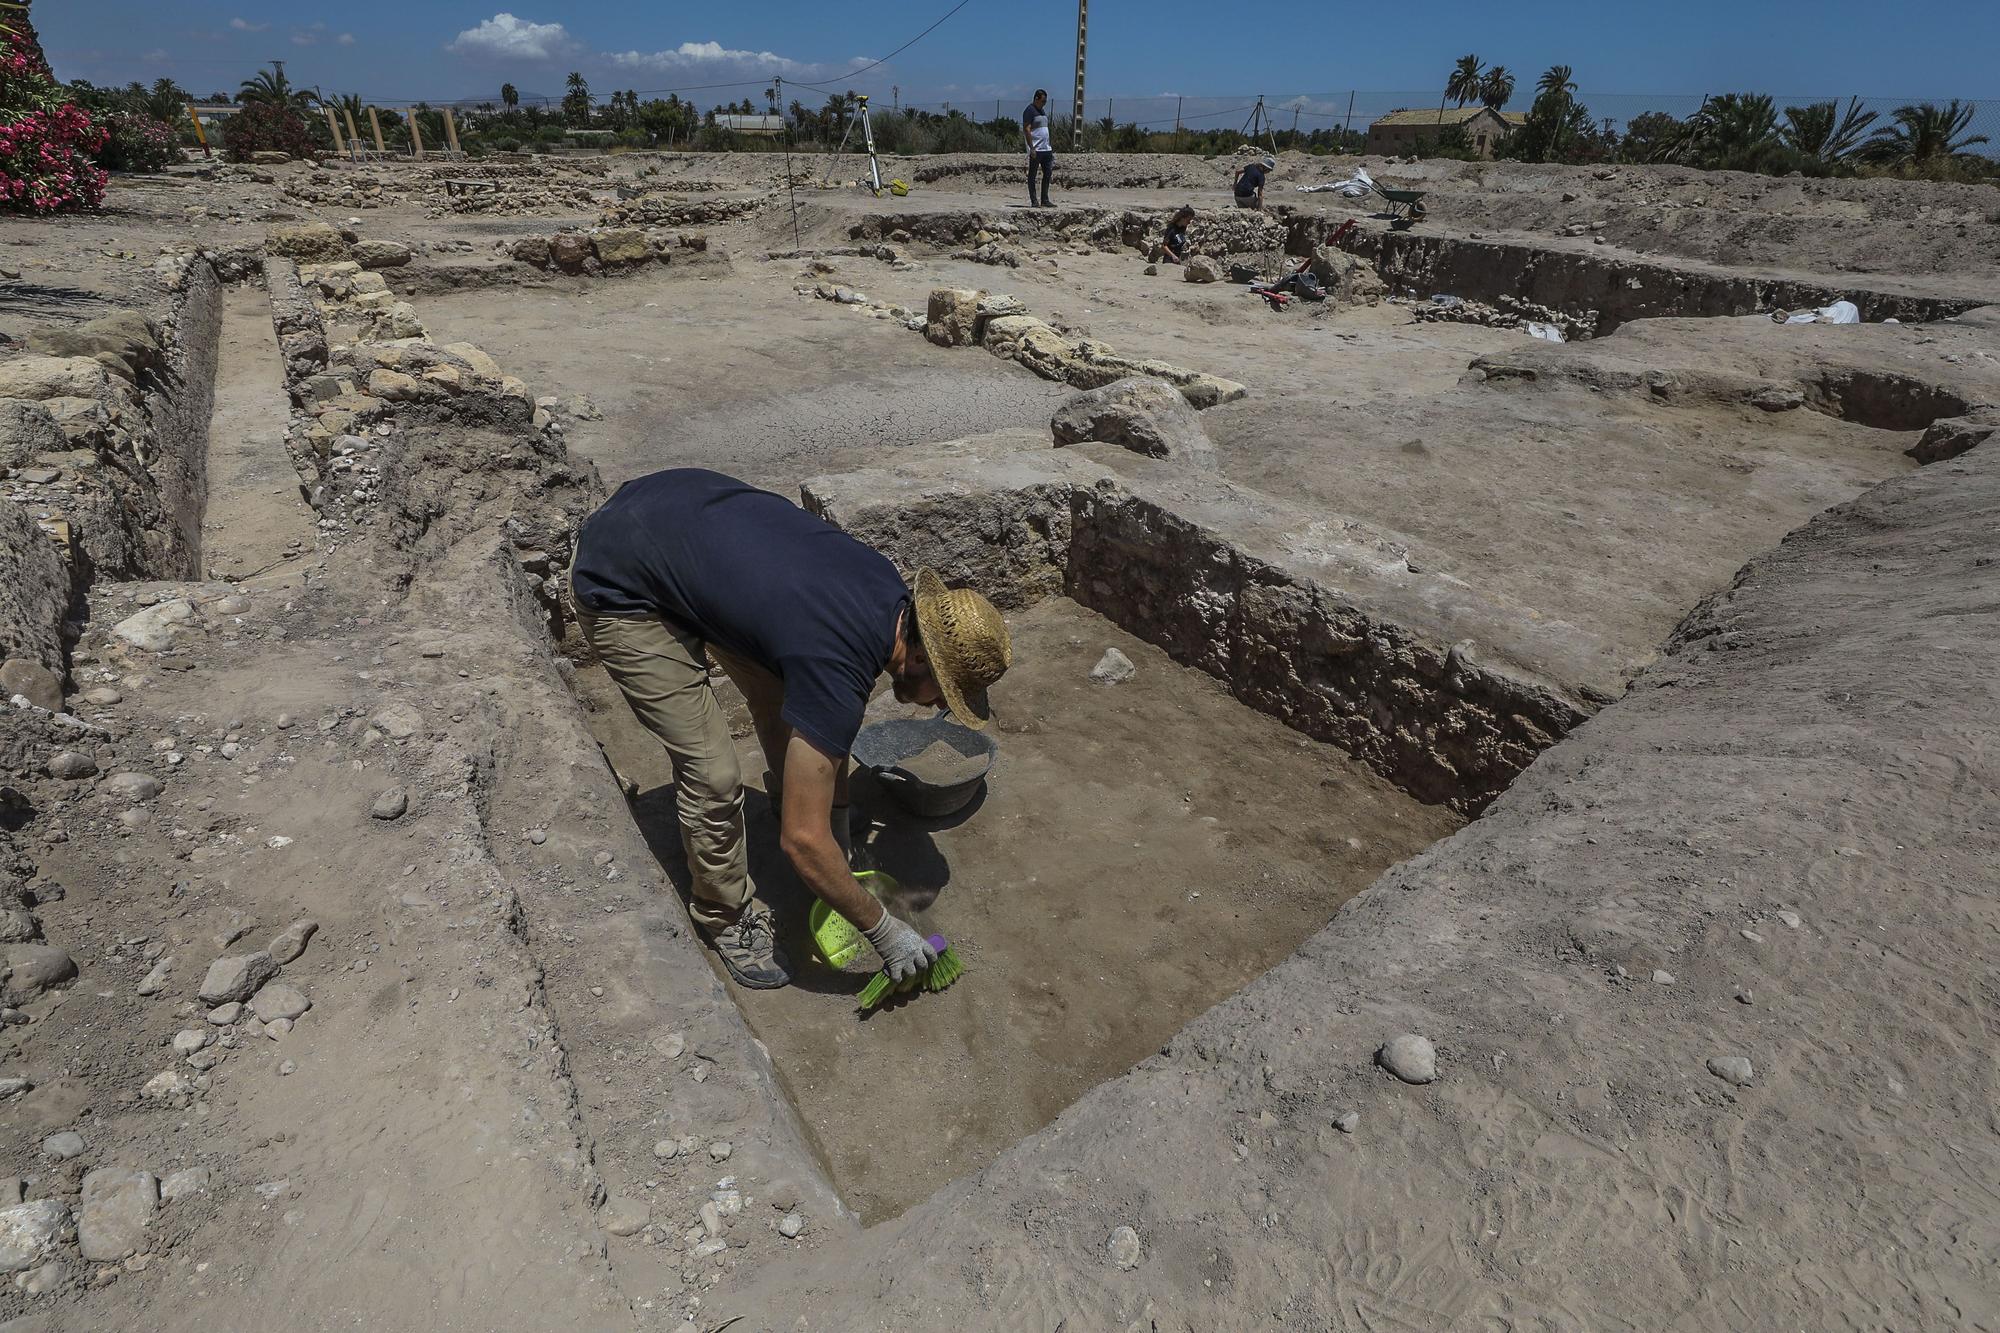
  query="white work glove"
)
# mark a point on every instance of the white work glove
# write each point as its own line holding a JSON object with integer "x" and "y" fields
{"x": 904, "y": 952}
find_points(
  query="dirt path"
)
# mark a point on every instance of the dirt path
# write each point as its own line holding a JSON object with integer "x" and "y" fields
{"x": 255, "y": 513}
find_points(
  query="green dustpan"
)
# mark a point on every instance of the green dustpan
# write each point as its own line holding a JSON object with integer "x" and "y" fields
{"x": 835, "y": 939}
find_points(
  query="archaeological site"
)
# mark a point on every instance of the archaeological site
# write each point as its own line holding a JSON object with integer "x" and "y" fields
{"x": 1493, "y": 821}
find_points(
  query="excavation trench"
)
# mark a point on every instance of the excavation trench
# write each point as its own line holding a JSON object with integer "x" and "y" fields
{"x": 1615, "y": 289}
{"x": 1142, "y": 850}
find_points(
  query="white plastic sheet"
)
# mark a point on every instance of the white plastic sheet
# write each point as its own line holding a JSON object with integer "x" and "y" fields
{"x": 1840, "y": 312}
{"x": 1548, "y": 333}
{"x": 1354, "y": 187}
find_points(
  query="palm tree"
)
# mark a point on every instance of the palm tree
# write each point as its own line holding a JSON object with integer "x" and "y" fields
{"x": 272, "y": 87}
{"x": 1820, "y": 133}
{"x": 576, "y": 102}
{"x": 510, "y": 96}
{"x": 1558, "y": 81}
{"x": 1925, "y": 133}
{"x": 1461, "y": 85}
{"x": 1496, "y": 88}
{"x": 1735, "y": 132}
{"x": 352, "y": 110}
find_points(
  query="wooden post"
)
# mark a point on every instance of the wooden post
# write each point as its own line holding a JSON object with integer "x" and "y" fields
{"x": 450, "y": 130}
{"x": 353, "y": 135}
{"x": 375, "y": 123}
{"x": 416, "y": 135}
{"x": 334, "y": 127}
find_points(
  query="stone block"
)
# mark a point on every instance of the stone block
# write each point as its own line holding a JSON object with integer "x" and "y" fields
{"x": 1147, "y": 416}
{"x": 305, "y": 241}
{"x": 382, "y": 254}
{"x": 119, "y": 1204}
{"x": 622, "y": 245}
{"x": 951, "y": 316}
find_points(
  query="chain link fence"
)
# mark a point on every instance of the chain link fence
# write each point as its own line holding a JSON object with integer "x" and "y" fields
{"x": 1354, "y": 111}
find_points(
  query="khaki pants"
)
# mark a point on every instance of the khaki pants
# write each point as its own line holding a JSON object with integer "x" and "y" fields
{"x": 662, "y": 670}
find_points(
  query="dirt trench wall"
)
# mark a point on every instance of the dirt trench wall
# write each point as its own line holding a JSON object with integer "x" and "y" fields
{"x": 1435, "y": 715}
{"x": 180, "y": 404}
{"x": 1617, "y": 289}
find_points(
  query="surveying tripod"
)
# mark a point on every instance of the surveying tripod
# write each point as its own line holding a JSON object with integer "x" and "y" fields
{"x": 874, "y": 182}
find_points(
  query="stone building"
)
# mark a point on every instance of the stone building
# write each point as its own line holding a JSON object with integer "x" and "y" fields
{"x": 1485, "y": 128}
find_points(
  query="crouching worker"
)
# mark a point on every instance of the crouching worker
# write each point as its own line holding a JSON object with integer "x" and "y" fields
{"x": 687, "y": 564}
{"x": 1249, "y": 184}
{"x": 1173, "y": 247}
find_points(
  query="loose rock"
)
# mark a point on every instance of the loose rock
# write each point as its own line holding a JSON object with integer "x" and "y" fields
{"x": 71, "y": 766}
{"x": 719, "y": 1150}
{"x": 182, "y": 1184}
{"x": 133, "y": 786}
{"x": 237, "y": 977}
{"x": 30, "y": 1233}
{"x": 290, "y": 942}
{"x": 1122, "y": 1248}
{"x": 1409, "y": 1057}
{"x": 189, "y": 1040}
{"x": 155, "y": 981}
{"x": 31, "y": 970}
{"x": 1114, "y": 668}
{"x": 118, "y": 1205}
{"x": 391, "y": 804}
{"x": 790, "y": 1225}
{"x": 61, "y": 1147}
{"x": 279, "y": 1001}
{"x": 621, "y": 1216}
{"x": 1732, "y": 1069}
{"x": 33, "y": 682}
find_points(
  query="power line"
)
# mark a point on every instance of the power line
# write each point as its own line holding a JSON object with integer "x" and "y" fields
{"x": 856, "y": 73}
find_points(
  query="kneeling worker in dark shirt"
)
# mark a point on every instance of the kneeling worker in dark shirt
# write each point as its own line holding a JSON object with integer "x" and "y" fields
{"x": 687, "y": 563}
{"x": 1173, "y": 247}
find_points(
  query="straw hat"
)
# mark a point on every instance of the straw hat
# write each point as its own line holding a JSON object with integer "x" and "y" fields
{"x": 966, "y": 642}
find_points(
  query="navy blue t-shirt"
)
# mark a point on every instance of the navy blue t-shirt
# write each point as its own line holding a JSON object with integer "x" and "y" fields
{"x": 758, "y": 575}
{"x": 1252, "y": 179}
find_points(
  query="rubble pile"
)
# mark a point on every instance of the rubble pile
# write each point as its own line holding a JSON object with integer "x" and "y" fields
{"x": 959, "y": 317}
{"x": 520, "y": 188}
{"x": 613, "y": 249}
{"x": 666, "y": 210}
{"x": 1505, "y": 312}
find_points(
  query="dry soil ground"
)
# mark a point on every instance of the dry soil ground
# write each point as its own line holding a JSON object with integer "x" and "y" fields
{"x": 520, "y": 1082}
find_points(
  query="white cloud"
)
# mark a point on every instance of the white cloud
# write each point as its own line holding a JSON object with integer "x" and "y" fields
{"x": 347, "y": 39}
{"x": 245, "y": 25}
{"x": 304, "y": 38}
{"x": 710, "y": 56}
{"x": 155, "y": 56}
{"x": 505, "y": 37}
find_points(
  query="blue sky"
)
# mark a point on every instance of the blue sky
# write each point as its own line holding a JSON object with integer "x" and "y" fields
{"x": 992, "y": 51}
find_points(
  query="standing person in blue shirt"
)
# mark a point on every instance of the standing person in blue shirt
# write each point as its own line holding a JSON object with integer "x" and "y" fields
{"x": 1041, "y": 149}
{"x": 1250, "y": 182}
{"x": 687, "y": 565}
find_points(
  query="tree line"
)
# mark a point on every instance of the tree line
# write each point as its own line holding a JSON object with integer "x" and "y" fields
{"x": 1730, "y": 132}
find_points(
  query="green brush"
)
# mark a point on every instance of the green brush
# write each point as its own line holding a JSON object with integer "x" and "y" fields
{"x": 948, "y": 968}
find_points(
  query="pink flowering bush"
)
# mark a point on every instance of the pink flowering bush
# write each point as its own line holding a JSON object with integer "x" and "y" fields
{"x": 137, "y": 143}
{"x": 46, "y": 140}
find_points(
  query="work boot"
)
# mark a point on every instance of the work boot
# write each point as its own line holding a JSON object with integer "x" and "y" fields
{"x": 748, "y": 947}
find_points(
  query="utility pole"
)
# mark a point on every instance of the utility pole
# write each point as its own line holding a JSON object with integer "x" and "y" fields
{"x": 1076, "y": 107}
{"x": 895, "y": 97}
{"x": 1177, "y": 115}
